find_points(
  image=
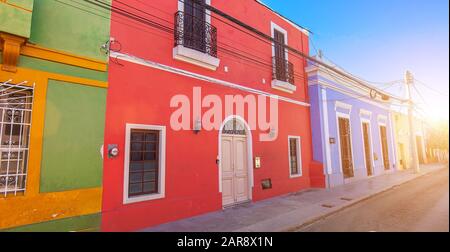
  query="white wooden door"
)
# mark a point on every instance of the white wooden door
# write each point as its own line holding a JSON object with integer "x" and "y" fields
{"x": 234, "y": 164}
{"x": 227, "y": 171}
{"x": 240, "y": 168}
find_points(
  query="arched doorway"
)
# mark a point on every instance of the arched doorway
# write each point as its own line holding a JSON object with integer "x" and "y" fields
{"x": 235, "y": 152}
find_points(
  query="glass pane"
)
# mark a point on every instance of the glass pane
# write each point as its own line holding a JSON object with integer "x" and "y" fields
{"x": 135, "y": 177}
{"x": 136, "y": 166}
{"x": 149, "y": 176}
{"x": 135, "y": 188}
{"x": 21, "y": 182}
{"x": 150, "y": 187}
{"x": 136, "y": 146}
{"x": 150, "y": 156}
{"x": 137, "y": 136}
{"x": 11, "y": 182}
{"x": 3, "y": 167}
{"x": 150, "y": 146}
{"x": 136, "y": 156}
{"x": 150, "y": 166}
{"x": 2, "y": 181}
{"x": 150, "y": 137}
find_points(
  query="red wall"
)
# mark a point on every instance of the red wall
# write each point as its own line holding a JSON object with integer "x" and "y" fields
{"x": 141, "y": 95}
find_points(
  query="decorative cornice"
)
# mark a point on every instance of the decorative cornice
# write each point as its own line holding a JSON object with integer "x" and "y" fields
{"x": 365, "y": 112}
{"x": 342, "y": 105}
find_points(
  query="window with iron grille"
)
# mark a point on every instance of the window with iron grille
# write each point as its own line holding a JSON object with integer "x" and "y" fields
{"x": 192, "y": 29}
{"x": 295, "y": 166}
{"x": 144, "y": 163}
{"x": 283, "y": 70}
{"x": 15, "y": 124}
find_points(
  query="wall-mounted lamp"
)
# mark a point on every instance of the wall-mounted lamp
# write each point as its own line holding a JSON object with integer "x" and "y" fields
{"x": 197, "y": 126}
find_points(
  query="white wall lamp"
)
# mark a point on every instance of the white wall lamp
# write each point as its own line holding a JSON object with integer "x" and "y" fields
{"x": 197, "y": 126}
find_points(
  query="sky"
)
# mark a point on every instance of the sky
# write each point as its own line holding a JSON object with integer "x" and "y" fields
{"x": 378, "y": 40}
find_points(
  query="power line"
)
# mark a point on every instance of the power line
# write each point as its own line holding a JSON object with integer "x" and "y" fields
{"x": 440, "y": 92}
{"x": 260, "y": 34}
{"x": 171, "y": 30}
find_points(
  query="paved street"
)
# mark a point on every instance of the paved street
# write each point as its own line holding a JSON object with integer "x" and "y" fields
{"x": 292, "y": 211}
{"x": 419, "y": 205}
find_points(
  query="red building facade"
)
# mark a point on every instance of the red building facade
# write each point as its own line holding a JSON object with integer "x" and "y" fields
{"x": 162, "y": 50}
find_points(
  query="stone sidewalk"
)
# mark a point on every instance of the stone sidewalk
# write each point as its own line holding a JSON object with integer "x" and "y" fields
{"x": 292, "y": 211}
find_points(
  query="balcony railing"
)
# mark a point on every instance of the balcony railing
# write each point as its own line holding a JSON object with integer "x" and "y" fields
{"x": 194, "y": 33}
{"x": 283, "y": 70}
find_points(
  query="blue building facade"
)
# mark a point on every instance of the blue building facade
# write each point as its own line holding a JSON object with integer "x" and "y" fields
{"x": 352, "y": 126}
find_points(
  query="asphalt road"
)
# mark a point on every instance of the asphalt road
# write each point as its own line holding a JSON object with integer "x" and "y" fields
{"x": 418, "y": 205}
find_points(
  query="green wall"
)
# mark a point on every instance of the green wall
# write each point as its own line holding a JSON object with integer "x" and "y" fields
{"x": 73, "y": 135}
{"x": 72, "y": 26}
{"x": 80, "y": 223}
{"x": 15, "y": 20}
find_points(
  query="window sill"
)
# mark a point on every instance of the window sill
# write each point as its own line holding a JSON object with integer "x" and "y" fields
{"x": 292, "y": 176}
{"x": 284, "y": 86}
{"x": 195, "y": 57}
{"x": 143, "y": 198}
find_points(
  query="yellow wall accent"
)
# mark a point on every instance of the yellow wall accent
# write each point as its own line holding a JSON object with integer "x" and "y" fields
{"x": 15, "y": 6}
{"x": 62, "y": 57}
{"x": 25, "y": 210}
{"x": 33, "y": 206}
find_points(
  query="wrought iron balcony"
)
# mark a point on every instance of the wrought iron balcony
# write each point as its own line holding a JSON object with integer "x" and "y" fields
{"x": 283, "y": 70}
{"x": 195, "y": 33}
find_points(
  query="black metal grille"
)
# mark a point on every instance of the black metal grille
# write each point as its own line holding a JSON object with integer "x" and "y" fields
{"x": 193, "y": 32}
{"x": 283, "y": 70}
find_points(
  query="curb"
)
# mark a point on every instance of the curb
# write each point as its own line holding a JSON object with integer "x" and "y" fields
{"x": 355, "y": 201}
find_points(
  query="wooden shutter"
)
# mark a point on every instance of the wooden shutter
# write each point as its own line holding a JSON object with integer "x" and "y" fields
{"x": 346, "y": 149}
{"x": 384, "y": 146}
{"x": 194, "y": 24}
{"x": 280, "y": 55}
{"x": 367, "y": 150}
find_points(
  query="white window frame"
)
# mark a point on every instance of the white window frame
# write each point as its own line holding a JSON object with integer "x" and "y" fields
{"x": 193, "y": 56}
{"x": 277, "y": 84}
{"x": 161, "y": 164}
{"x": 299, "y": 156}
{"x": 207, "y": 14}
{"x": 274, "y": 27}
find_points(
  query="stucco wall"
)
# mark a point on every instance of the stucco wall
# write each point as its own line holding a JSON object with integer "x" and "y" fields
{"x": 356, "y": 104}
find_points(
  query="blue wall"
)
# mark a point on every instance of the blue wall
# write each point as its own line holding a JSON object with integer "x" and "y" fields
{"x": 318, "y": 128}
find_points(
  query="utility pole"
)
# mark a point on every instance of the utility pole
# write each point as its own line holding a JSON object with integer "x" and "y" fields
{"x": 409, "y": 80}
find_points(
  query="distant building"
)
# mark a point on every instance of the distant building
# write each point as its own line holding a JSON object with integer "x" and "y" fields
{"x": 351, "y": 126}
{"x": 402, "y": 136}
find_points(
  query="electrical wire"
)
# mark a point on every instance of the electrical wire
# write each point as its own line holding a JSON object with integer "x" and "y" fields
{"x": 168, "y": 29}
{"x": 440, "y": 92}
{"x": 162, "y": 27}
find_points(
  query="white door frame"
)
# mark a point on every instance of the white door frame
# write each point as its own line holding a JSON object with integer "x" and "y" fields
{"x": 249, "y": 153}
{"x": 345, "y": 116}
